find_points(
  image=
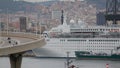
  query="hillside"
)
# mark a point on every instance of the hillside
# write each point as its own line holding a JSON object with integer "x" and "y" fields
{"x": 14, "y": 6}
{"x": 100, "y": 4}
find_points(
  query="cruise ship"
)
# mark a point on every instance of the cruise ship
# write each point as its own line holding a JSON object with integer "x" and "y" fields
{"x": 78, "y": 36}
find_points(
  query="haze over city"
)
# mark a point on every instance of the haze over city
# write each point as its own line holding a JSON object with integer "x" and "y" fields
{"x": 36, "y": 0}
{"x": 46, "y": 0}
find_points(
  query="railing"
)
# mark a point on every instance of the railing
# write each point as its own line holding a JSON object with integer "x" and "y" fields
{"x": 20, "y": 34}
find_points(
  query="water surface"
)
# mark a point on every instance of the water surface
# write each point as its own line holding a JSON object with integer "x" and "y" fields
{"x": 29, "y": 62}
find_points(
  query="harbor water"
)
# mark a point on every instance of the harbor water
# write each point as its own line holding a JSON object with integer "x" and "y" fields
{"x": 31, "y": 62}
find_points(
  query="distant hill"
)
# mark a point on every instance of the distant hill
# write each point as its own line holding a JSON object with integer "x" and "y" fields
{"x": 14, "y": 6}
{"x": 47, "y": 3}
{"x": 100, "y": 4}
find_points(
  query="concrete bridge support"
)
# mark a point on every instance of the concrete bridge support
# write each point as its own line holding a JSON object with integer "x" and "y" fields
{"x": 15, "y": 60}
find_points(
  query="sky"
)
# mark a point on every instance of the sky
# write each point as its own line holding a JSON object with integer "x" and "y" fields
{"x": 44, "y": 0}
{"x": 36, "y": 0}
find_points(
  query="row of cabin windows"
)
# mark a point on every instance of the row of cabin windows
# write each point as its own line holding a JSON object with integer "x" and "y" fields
{"x": 105, "y": 40}
{"x": 97, "y": 40}
{"x": 96, "y": 43}
{"x": 92, "y": 40}
{"x": 86, "y": 43}
{"x": 97, "y": 46}
{"x": 97, "y": 49}
{"x": 76, "y": 40}
{"x": 89, "y": 49}
{"x": 62, "y": 43}
{"x": 95, "y": 29}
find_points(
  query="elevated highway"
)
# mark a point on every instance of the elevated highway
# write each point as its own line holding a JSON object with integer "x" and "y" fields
{"x": 25, "y": 42}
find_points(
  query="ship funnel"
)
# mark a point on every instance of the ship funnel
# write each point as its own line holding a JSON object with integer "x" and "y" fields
{"x": 62, "y": 17}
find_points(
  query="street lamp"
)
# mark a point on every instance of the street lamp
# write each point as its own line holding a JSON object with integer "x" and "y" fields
{"x": 7, "y": 21}
{"x": 0, "y": 27}
{"x": 36, "y": 28}
{"x": 68, "y": 59}
{"x": 40, "y": 29}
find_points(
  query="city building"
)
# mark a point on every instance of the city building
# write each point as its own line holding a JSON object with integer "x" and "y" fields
{"x": 56, "y": 15}
{"x": 101, "y": 18}
{"x": 23, "y": 24}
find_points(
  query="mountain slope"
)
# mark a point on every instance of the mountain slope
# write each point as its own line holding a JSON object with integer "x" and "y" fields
{"x": 14, "y": 6}
{"x": 100, "y": 4}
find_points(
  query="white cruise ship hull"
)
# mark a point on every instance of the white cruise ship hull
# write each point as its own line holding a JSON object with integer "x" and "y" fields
{"x": 58, "y": 47}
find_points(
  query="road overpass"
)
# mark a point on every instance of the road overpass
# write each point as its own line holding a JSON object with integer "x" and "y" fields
{"x": 25, "y": 42}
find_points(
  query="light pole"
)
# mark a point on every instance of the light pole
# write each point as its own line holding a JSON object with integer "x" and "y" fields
{"x": 40, "y": 29}
{"x": 39, "y": 24}
{"x": 36, "y": 28}
{"x": 68, "y": 59}
{"x": 7, "y": 21}
{"x": 0, "y": 27}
